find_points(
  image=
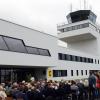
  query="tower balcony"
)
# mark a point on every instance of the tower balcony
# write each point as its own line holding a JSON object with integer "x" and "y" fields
{"x": 78, "y": 31}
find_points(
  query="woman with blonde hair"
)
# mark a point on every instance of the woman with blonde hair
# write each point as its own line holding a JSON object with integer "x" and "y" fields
{"x": 2, "y": 93}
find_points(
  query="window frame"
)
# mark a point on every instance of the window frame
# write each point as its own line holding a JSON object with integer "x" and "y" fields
{"x": 44, "y": 49}
{"x": 72, "y": 73}
{"x": 4, "y": 44}
{"x": 14, "y": 39}
{"x": 23, "y": 45}
{"x": 77, "y": 72}
{"x": 82, "y": 72}
{"x": 32, "y": 53}
{"x": 86, "y": 72}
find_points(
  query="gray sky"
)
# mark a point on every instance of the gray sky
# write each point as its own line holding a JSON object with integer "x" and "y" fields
{"x": 43, "y": 15}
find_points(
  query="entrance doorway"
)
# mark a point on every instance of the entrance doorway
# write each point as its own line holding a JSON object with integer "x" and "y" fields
{"x": 20, "y": 74}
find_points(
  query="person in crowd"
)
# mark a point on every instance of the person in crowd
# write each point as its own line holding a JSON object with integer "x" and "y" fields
{"x": 2, "y": 93}
{"x": 8, "y": 88}
{"x": 98, "y": 86}
{"x": 52, "y": 90}
{"x": 61, "y": 91}
{"x": 86, "y": 88}
{"x": 92, "y": 86}
{"x": 81, "y": 90}
{"x": 49, "y": 91}
{"x": 74, "y": 90}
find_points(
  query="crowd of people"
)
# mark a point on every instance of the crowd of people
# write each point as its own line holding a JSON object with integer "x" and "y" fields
{"x": 87, "y": 89}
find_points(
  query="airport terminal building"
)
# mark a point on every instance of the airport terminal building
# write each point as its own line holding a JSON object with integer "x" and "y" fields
{"x": 25, "y": 51}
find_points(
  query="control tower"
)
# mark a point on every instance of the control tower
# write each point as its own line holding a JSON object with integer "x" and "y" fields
{"x": 81, "y": 33}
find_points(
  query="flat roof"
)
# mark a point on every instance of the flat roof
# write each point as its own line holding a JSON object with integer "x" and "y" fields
{"x": 28, "y": 28}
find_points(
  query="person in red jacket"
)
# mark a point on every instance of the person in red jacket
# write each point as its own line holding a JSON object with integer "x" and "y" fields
{"x": 98, "y": 85}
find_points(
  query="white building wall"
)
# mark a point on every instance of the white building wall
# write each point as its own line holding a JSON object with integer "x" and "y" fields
{"x": 31, "y": 38}
{"x": 72, "y": 65}
{"x": 41, "y": 40}
{"x": 87, "y": 46}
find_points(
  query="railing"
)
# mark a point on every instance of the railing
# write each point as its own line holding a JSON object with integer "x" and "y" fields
{"x": 80, "y": 26}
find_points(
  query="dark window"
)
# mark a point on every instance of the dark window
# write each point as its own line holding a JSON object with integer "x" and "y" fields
{"x": 92, "y": 60}
{"x": 95, "y": 61}
{"x": 15, "y": 45}
{"x": 82, "y": 72}
{"x": 86, "y": 72}
{"x": 89, "y": 60}
{"x": 63, "y": 56}
{"x": 55, "y": 73}
{"x": 80, "y": 59}
{"x": 2, "y": 44}
{"x": 71, "y": 72}
{"x": 98, "y": 61}
{"x": 84, "y": 59}
{"x": 59, "y": 73}
{"x": 76, "y": 58}
{"x": 44, "y": 72}
{"x": 32, "y": 50}
{"x": 77, "y": 73}
{"x": 59, "y": 56}
{"x": 63, "y": 72}
{"x": 44, "y": 52}
{"x": 62, "y": 30}
{"x": 71, "y": 58}
{"x": 68, "y": 57}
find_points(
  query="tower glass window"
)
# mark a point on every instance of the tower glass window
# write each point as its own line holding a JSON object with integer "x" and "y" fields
{"x": 81, "y": 15}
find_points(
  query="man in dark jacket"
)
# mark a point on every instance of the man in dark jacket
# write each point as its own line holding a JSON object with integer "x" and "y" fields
{"x": 92, "y": 86}
{"x": 81, "y": 90}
